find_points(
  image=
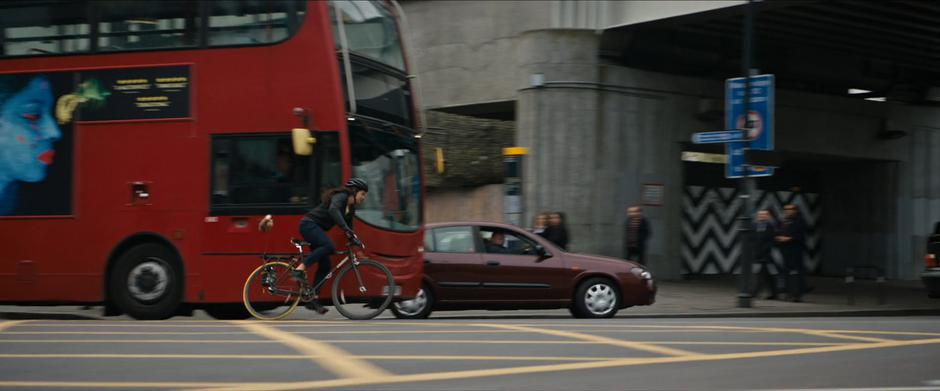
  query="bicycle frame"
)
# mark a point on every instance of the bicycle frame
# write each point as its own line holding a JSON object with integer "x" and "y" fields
{"x": 294, "y": 260}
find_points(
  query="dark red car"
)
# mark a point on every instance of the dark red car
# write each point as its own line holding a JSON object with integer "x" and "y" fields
{"x": 497, "y": 266}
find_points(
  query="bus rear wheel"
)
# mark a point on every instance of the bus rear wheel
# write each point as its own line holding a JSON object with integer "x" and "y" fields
{"x": 147, "y": 282}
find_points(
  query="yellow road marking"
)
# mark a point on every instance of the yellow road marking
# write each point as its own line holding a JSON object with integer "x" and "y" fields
{"x": 119, "y": 385}
{"x": 196, "y": 326}
{"x": 388, "y": 379}
{"x": 128, "y": 333}
{"x": 10, "y": 323}
{"x": 409, "y": 332}
{"x": 160, "y": 341}
{"x": 303, "y": 357}
{"x": 319, "y": 384}
{"x": 575, "y": 366}
{"x": 345, "y": 324}
{"x": 632, "y": 328}
{"x": 843, "y": 336}
{"x": 409, "y": 341}
{"x": 332, "y": 358}
{"x": 248, "y": 333}
{"x": 747, "y": 343}
{"x": 836, "y": 334}
{"x": 914, "y": 333}
{"x": 594, "y": 338}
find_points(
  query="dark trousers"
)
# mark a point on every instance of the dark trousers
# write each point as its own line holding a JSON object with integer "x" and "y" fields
{"x": 794, "y": 272}
{"x": 321, "y": 247}
{"x": 764, "y": 277}
{"x": 636, "y": 254}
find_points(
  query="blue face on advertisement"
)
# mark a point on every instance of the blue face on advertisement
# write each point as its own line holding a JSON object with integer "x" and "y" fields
{"x": 27, "y": 134}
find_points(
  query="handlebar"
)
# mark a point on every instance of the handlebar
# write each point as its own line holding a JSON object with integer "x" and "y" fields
{"x": 355, "y": 242}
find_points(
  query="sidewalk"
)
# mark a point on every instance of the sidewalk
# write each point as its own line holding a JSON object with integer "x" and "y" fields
{"x": 701, "y": 297}
{"x": 717, "y": 297}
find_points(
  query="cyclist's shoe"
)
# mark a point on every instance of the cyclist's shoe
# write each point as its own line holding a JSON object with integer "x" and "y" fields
{"x": 299, "y": 275}
{"x": 315, "y": 306}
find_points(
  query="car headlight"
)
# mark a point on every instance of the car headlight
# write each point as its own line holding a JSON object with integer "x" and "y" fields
{"x": 641, "y": 273}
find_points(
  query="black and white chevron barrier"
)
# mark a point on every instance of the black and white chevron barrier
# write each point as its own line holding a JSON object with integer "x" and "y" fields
{"x": 710, "y": 242}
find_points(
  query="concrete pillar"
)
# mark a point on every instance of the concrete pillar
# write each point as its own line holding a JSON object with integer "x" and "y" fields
{"x": 918, "y": 183}
{"x": 558, "y": 122}
{"x": 592, "y": 144}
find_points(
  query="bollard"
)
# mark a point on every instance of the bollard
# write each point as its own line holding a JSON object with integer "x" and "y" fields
{"x": 881, "y": 289}
{"x": 850, "y": 283}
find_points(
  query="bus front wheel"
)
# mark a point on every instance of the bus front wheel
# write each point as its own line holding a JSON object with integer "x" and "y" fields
{"x": 146, "y": 282}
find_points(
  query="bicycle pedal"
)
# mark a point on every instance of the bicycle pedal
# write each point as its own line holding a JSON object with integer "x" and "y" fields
{"x": 315, "y": 306}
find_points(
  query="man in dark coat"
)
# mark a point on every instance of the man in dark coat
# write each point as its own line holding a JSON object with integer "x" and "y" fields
{"x": 636, "y": 232}
{"x": 764, "y": 232}
{"x": 791, "y": 236}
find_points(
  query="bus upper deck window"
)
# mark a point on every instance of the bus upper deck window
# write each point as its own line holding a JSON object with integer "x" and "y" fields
{"x": 135, "y": 25}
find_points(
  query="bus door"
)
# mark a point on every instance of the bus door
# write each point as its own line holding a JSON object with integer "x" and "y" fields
{"x": 252, "y": 175}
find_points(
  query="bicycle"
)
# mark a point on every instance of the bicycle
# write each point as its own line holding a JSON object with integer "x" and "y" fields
{"x": 271, "y": 292}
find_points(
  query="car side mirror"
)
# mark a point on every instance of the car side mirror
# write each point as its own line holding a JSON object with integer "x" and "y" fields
{"x": 542, "y": 253}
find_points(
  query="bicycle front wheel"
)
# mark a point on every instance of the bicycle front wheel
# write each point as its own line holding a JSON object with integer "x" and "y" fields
{"x": 362, "y": 291}
{"x": 270, "y": 293}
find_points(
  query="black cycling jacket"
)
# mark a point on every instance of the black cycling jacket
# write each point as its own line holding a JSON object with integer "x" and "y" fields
{"x": 328, "y": 215}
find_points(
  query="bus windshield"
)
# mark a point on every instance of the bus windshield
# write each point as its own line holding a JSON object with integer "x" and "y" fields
{"x": 370, "y": 31}
{"x": 389, "y": 163}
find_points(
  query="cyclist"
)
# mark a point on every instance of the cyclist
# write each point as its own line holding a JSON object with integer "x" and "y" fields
{"x": 337, "y": 207}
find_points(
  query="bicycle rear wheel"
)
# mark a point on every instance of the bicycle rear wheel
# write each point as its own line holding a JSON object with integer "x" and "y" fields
{"x": 362, "y": 291}
{"x": 270, "y": 293}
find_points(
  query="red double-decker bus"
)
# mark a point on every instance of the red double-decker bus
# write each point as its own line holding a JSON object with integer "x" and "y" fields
{"x": 141, "y": 142}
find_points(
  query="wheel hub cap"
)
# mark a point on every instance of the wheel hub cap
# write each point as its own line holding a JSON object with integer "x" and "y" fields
{"x": 600, "y": 299}
{"x": 414, "y": 306}
{"x": 148, "y": 280}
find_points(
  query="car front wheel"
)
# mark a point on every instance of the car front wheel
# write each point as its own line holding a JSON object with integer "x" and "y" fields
{"x": 417, "y": 308}
{"x": 596, "y": 298}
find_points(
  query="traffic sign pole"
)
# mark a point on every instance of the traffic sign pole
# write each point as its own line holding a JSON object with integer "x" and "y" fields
{"x": 747, "y": 183}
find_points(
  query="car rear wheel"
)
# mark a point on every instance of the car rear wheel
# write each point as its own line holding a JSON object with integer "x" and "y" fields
{"x": 417, "y": 308}
{"x": 596, "y": 298}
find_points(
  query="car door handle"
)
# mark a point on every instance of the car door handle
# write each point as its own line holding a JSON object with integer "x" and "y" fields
{"x": 492, "y": 263}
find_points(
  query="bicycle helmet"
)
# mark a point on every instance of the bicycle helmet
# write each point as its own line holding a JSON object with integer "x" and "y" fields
{"x": 358, "y": 184}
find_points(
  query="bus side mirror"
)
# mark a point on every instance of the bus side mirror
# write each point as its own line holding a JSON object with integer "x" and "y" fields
{"x": 303, "y": 141}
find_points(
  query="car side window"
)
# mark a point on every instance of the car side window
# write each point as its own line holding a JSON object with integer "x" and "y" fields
{"x": 453, "y": 240}
{"x": 501, "y": 241}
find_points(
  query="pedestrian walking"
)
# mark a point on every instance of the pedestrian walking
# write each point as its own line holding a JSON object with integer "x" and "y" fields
{"x": 539, "y": 224}
{"x": 636, "y": 232}
{"x": 790, "y": 238}
{"x": 764, "y": 243}
{"x": 557, "y": 231}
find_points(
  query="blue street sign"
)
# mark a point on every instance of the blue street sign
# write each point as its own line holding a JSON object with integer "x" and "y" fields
{"x": 760, "y": 117}
{"x": 760, "y": 110}
{"x": 724, "y": 136}
{"x": 734, "y": 168}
